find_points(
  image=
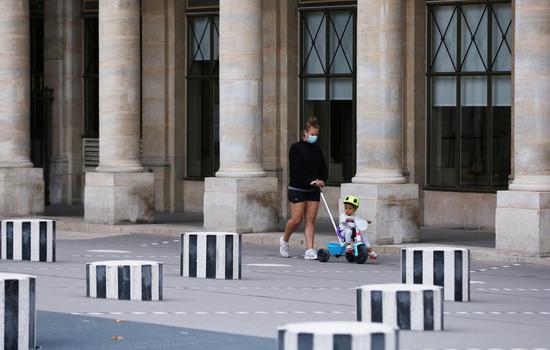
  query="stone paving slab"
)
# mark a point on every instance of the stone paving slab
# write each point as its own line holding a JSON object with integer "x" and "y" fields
{"x": 68, "y": 332}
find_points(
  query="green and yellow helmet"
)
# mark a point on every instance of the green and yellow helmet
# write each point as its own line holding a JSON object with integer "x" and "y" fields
{"x": 352, "y": 200}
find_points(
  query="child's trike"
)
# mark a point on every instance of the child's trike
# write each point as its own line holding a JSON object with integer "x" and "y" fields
{"x": 359, "y": 254}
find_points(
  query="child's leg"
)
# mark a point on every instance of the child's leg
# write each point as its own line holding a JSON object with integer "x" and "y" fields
{"x": 348, "y": 233}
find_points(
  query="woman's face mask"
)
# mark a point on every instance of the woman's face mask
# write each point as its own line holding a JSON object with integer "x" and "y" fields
{"x": 311, "y": 138}
{"x": 311, "y": 135}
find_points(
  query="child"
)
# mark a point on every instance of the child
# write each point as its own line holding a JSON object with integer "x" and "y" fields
{"x": 348, "y": 227}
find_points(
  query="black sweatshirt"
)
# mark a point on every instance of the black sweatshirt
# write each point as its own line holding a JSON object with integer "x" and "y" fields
{"x": 306, "y": 163}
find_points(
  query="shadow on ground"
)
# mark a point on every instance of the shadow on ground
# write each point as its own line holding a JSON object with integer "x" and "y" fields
{"x": 63, "y": 332}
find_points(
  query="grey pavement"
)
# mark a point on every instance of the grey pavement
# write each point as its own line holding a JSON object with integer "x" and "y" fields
{"x": 510, "y": 307}
{"x": 68, "y": 332}
{"x": 481, "y": 243}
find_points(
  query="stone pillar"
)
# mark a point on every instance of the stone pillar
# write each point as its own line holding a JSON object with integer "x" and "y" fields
{"x": 54, "y": 40}
{"x": 386, "y": 198}
{"x": 241, "y": 198}
{"x": 119, "y": 191}
{"x": 21, "y": 185}
{"x": 523, "y": 213}
{"x": 63, "y": 74}
{"x": 71, "y": 176}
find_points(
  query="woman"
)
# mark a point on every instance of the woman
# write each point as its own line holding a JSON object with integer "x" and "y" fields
{"x": 308, "y": 173}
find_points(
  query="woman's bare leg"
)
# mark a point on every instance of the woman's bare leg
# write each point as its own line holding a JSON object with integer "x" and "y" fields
{"x": 296, "y": 215}
{"x": 312, "y": 208}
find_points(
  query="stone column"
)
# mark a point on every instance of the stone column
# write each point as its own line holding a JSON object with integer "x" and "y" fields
{"x": 72, "y": 176}
{"x": 379, "y": 182}
{"x": 119, "y": 191}
{"x": 241, "y": 198}
{"x": 523, "y": 213}
{"x": 63, "y": 74}
{"x": 54, "y": 44}
{"x": 21, "y": 185}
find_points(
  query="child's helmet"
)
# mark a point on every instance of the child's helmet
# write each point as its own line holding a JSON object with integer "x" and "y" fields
{"x": 352, "y": 200}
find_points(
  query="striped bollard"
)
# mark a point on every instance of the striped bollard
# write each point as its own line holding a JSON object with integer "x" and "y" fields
{"x": 124, "y": 280}
{"x": 211, "y": 255}
{"x": 448, "y": 267}
{"x": 405, "y": 306}
{"x": 18, "y": 312}
{"x": 28, "y": 239}
{"x": 341, "y": 335}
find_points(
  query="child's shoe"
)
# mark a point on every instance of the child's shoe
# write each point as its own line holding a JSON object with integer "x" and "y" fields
{"x": 373, "y": 255}
{"x": 349, "y": 249}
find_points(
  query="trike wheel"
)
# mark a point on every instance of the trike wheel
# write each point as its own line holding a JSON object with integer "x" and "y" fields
{"x": 350, "y": 257}
{"x": 323, "y": 255}
{"x": 362, "y": 254}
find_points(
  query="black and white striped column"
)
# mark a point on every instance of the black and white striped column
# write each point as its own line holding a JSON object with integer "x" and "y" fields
{"x": 337, "y": 335}
{"x": 448, "y": 267}
{"x": 211, "y": 255}
{"x": 405, "y": 306}
{"x": 28, "y": 239}
{"x": 17, "y": 311}
{"x": 124, "y": 280}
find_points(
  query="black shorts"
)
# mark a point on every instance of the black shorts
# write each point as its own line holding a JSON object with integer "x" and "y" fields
{"x": 295, "y": 196}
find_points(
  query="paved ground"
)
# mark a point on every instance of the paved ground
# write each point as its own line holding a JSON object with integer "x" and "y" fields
{"x": 510, "y": 307}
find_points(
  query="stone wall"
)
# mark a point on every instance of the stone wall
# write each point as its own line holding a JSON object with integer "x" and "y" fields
{"x": 461, "y": 210}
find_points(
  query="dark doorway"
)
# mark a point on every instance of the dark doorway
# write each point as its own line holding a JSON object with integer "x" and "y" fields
{"x": 41, "y": 97}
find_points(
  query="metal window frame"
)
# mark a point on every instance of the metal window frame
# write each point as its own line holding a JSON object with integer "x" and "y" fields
{"x": 211, "y": 77}
{"x": 458, "y": 74}
{"x": 204, "y": 9}
{"x": 327, "y": 75}
{"x": 325, "y": 4}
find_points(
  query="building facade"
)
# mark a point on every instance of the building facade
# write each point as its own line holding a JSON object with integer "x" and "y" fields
{"x": 434, "y": 112}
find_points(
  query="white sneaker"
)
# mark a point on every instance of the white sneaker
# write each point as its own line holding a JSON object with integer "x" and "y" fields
{"x": 283, "y": 248}
{"x": 310, "y": 254}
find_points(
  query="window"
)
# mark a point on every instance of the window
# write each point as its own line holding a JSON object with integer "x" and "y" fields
{"x": 327, "y": 84}
{"x": 469, "y": 95}
{"x": 203, "y": 144}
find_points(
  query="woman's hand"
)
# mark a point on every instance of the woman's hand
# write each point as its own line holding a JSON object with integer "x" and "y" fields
{"x": 318, "y": 183}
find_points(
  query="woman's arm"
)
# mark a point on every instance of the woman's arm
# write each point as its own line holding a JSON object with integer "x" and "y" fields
{"x": 324, "y": 171}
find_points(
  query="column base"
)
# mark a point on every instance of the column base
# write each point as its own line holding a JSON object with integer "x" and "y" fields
{"x": 522, "y": 222}
{"x": 59, "y": 180}
{"x": 21, "y": 191}
{"x": 119, "y": 198}
{"x": 241, "y": 205}
{"x": 393, "y": 210}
